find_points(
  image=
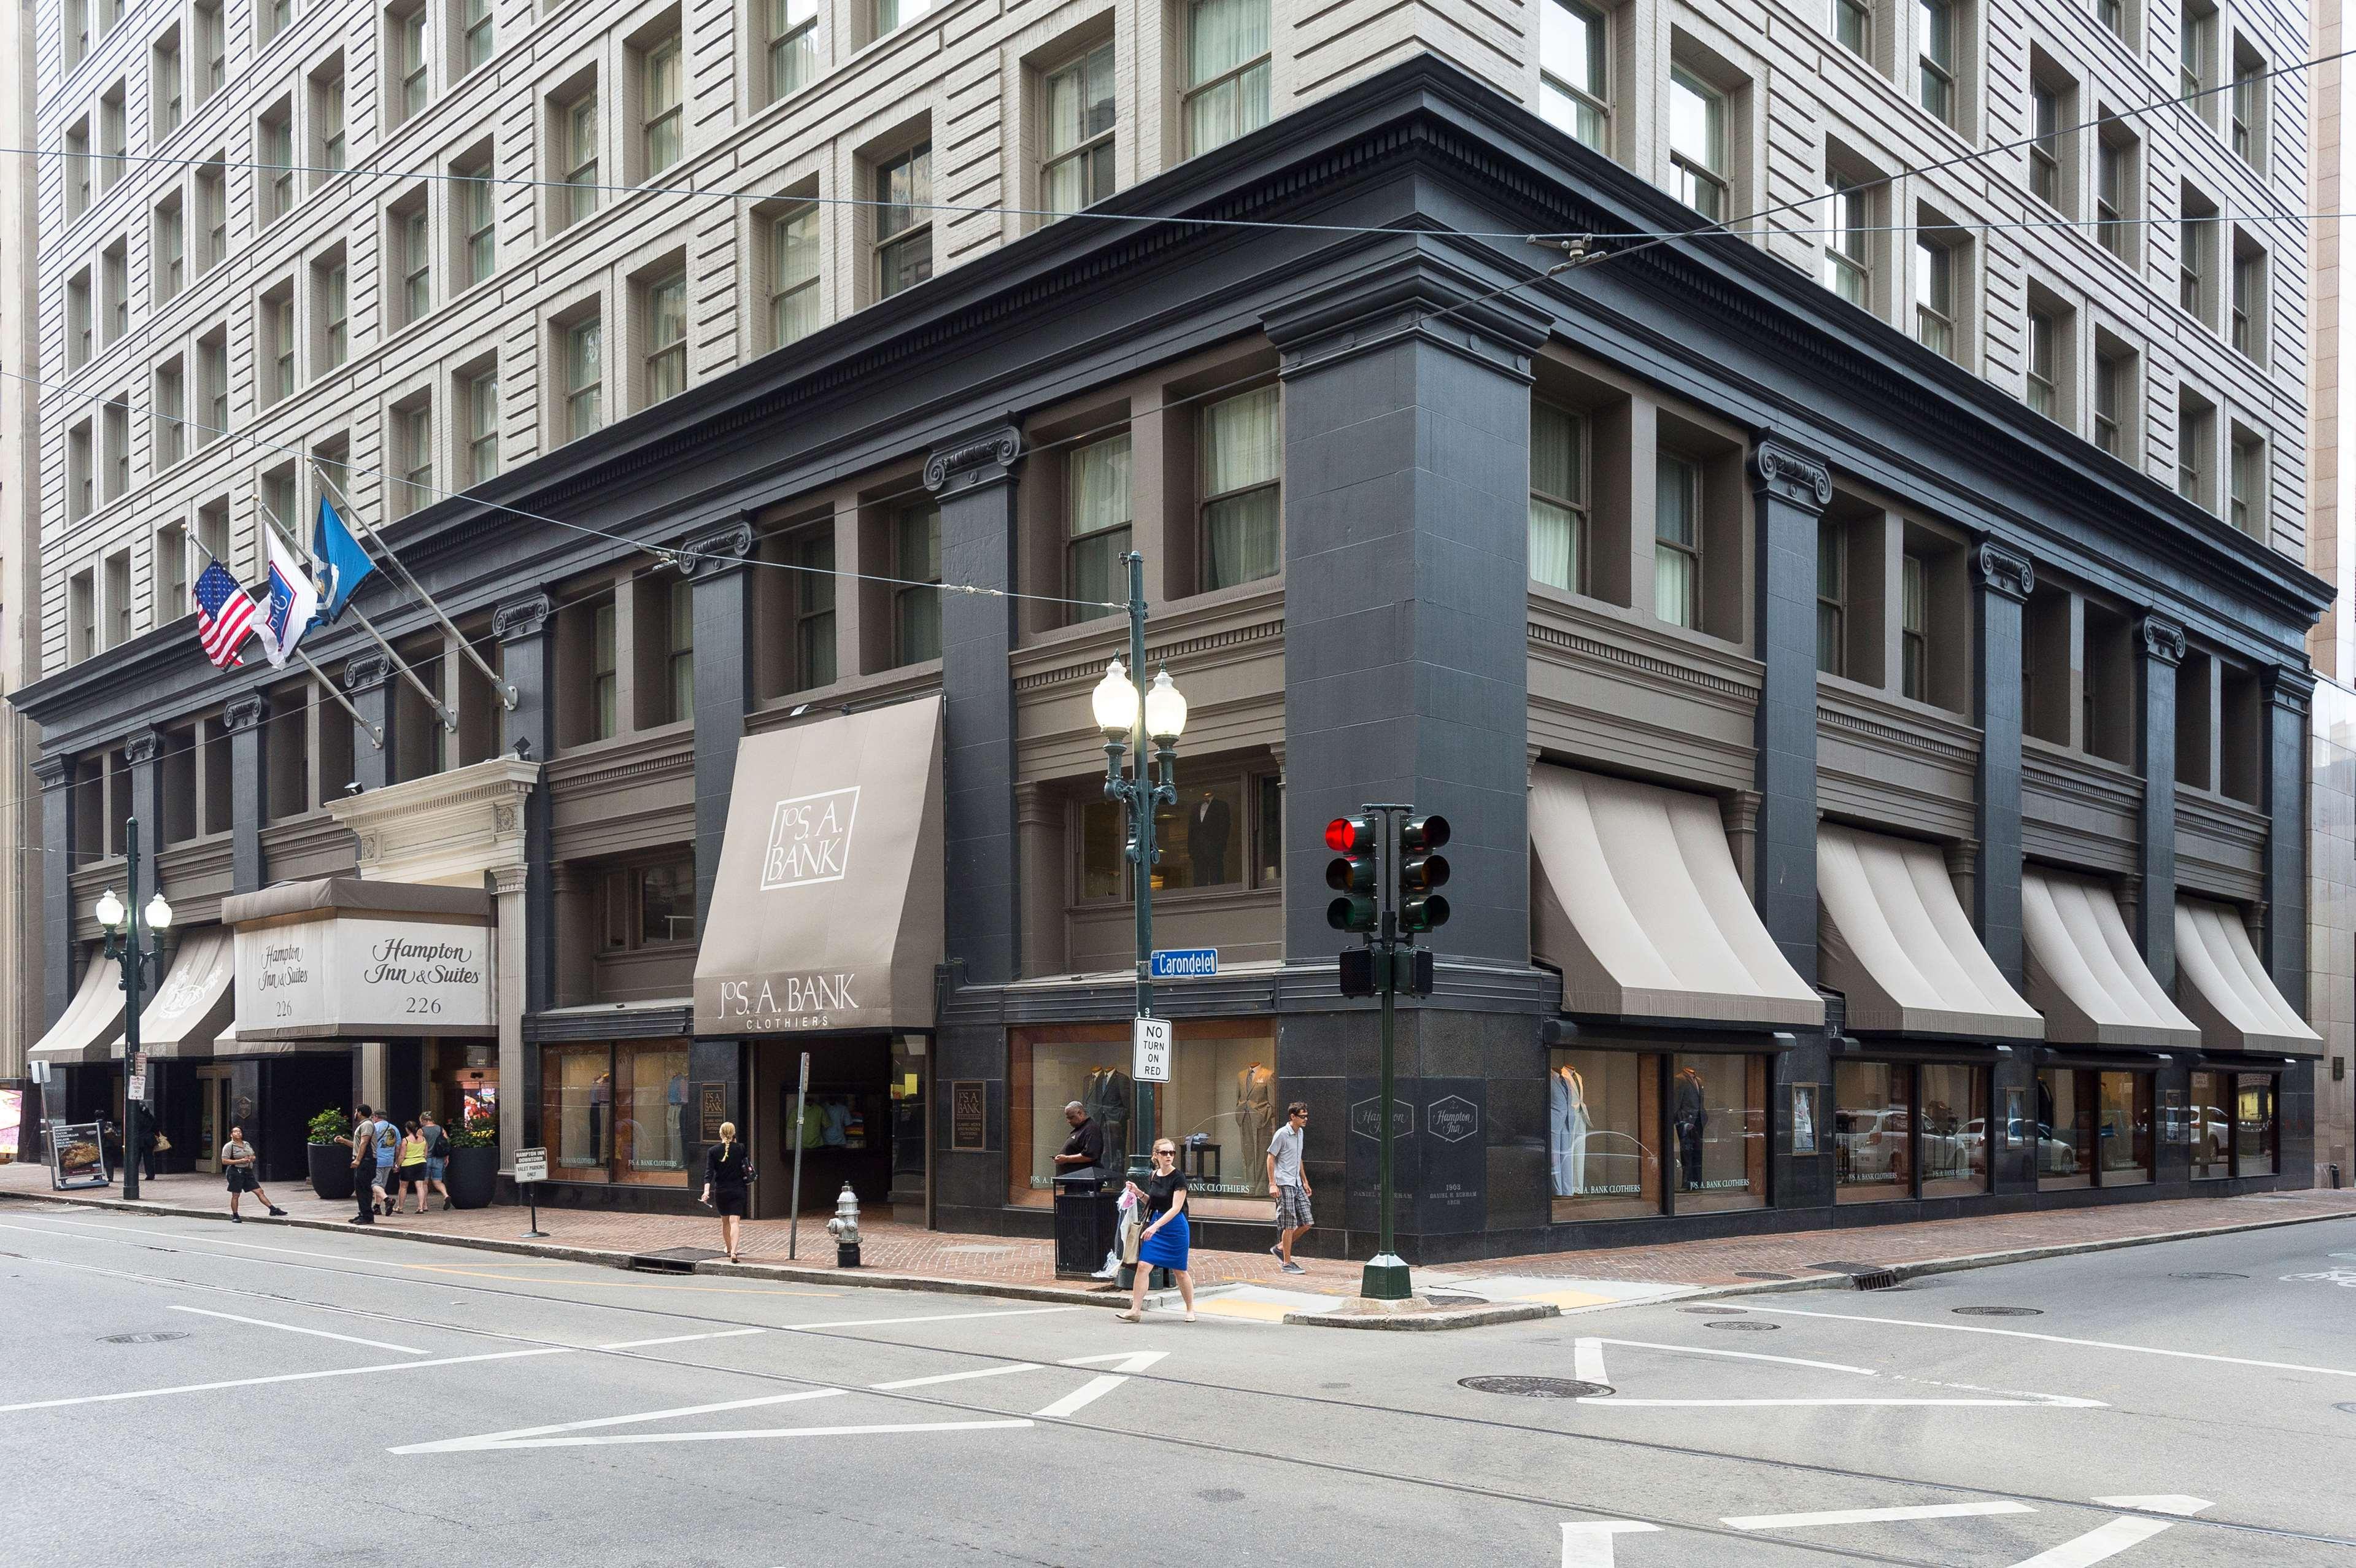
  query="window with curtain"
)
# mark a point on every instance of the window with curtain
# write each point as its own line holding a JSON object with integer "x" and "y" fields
{"x": 1571, "y": 53}
{"x": 1914, "y": 629}
{"x": 1243, "y": 509}
{"x": 814, "y": 646}
{"x": 679, "y": 666}
{"x": 585, "y": 406}
{"x": 1099, "y": 509}
{"x": 1848, "y": 256}
{"x": 1677, "y": 540}
{"x": 1832, "y": 598}
{"x": 793, "y": 46}
{"x": 903, "y": 220}
{"x": 1698, "y": 145}
{"x": 1079, "y": 134}
{"x": 604, "y": 685}
{"x": 793, "y": 275}
{"x": 1559, "y": 533}
{"x": 667, "y": 337}
{"x": 1226, "y": 71}
{"x": 917, "y": 606}
{"x": 665, "y": 130}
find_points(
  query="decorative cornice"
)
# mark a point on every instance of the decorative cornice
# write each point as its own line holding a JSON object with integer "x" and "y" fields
{"x": 2163, "y": 639}
{"x": 525, "y": 615}
{"x": 1791, "y": 477}
{"x": 245, "y": 712}
{"x": 2290, "y": 687}
{"x": 1629, "y": 659}
{"x": 2003, "y": 571}
{"x": 366, "y": 671}
{"x": 143, "y": 747}
{"x": 976, "y": 457}
{"x": 1890, "y": 736}
{"x": 1092, "y": 670}
{"x": 55, "y": 771}
{"x": 717, "y": 550}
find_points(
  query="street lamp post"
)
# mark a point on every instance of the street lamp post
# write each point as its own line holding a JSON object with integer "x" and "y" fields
{"x": 1117, "y": 701}
{"x": 127, "y": 928}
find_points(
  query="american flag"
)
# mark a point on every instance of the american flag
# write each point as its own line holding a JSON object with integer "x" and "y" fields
{"x": 225, "y": 615}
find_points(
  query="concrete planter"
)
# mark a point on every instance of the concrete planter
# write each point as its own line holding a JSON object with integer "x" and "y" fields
{"x": 473, "y": 1176}
{"x": 331, "y": 1172}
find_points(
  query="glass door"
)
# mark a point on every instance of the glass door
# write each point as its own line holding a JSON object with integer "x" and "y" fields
{"x": 212, "y": 1119}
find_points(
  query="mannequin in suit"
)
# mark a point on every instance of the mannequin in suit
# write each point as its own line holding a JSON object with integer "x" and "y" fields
{"x": 1256, "y": 1108}
{"x": 1208, "y": 825}
{"x": 1567, "y": 1123}
{"x": 1690, "y": 1113}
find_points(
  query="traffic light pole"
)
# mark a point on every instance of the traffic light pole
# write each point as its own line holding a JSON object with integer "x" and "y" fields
{"x": 1385, "y": 1275}
{"x": 1142, "y": 797}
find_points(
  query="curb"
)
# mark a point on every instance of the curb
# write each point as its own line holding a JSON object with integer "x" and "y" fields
{"x": 1428, "y": 1320}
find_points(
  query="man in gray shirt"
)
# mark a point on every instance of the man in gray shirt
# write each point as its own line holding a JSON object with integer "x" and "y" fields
{"x": 1291, "y": 1184}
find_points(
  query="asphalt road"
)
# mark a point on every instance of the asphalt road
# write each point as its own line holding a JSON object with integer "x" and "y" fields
{"x": 177, "y": 1391}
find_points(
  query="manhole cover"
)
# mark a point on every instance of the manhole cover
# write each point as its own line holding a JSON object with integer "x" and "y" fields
{"x": 1712, "y": 1310}
{"x": 1751, "y": 1323}
{"x": 1997, "y": 1311}
{"x": 1743, "y": 1276}
{"x": 158, "y": 1337}
{"x": 1534, "y": 1388}
{"x": 2199, "y": 1276}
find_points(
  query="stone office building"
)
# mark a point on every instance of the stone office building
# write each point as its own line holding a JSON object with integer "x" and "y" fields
{"x": 1876, "y": 793}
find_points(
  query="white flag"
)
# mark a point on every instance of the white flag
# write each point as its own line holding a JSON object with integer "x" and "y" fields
{"x": 294, "y": 603}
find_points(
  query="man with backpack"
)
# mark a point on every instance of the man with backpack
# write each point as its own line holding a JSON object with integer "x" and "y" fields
{"x": 388, "y": 1162}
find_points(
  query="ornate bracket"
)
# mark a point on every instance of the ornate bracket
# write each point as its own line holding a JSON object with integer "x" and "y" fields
{"x": 2003, "y": 571}
{"x": 1789, "y": 476}
{"x": 245, "y": 712}
{"x": 2163, "y": 639}
{"x": 728, "y": 548}
{"x": 142, "y": 749}
{"x": 55, "y": 771}
{"x": 2290, "y": 689}
{"x": 366, "y": 671}
{"x": 523, "y": 617}
{"x": 979, "y": 457}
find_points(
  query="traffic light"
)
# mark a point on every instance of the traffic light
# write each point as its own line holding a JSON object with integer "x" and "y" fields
{"x": 1422, "y": 871}
{"x": 1352, "y": 872}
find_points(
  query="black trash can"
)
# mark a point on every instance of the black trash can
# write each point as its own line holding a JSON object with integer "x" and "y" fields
{"x": 1085, "y": 1220}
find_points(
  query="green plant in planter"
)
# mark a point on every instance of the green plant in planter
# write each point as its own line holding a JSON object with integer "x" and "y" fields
{"x": 482, "y": 1133}
{"x": 329, "y": 1125}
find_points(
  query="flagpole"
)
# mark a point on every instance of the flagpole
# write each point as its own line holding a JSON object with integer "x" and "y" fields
{"x": 449, "y": 720}
{"x": 375, "y": 732}
{"x": 506, "y": 692}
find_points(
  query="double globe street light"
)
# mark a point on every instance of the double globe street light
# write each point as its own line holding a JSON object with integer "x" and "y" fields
{"x": 128, "y": 943}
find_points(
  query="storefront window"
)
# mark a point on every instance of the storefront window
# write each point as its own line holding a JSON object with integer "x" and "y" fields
{"x": 616, "y": 1113}
{"x": 1603, "y": 1119}
{"x": 1095, "y": 1073}
{"x": 576, "y": 1109}
{"x": 2253, "y": 1125}
{"x": 2125, "y": 1127}
{"x": 1269, "y": 835}
{"x": 1102, "y": 838}
{"x": 1201, "y": 838}
{"x": 650, "y": 1138}
{"x": 1871, "y": 1160}
{"x": 2210, "y": 1125}
{"x": 1718, "y": 1120}
{"x": 667, "y": 902}
{"x": 1953, "y": 1106}
{"x": 2066, "y": 1128}
{"x": 1220, "y": 1106}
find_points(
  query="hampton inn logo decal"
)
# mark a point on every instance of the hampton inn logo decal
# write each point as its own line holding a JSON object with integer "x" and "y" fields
{"x": 809, "y": 839}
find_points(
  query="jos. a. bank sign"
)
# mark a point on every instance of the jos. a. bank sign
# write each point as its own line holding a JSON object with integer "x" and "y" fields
{"x": 349, "y": 977}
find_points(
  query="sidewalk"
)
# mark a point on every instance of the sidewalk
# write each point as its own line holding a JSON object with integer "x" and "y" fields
{"x": 946, "y": 1261}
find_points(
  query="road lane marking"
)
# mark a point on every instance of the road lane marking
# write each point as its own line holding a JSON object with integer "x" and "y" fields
{"x": 1589, "y": 1358}
{"x": 679, "y": 1339}
{"x": 286, "y": 1378}
{"x": 1587, "y": 1544}
{"x": 291, "y": 1329}
{"x": 1733, "y": 1355}
{"x": 934, "y": 1317}
{"x": 2057, "y": 1339}
{"x": 549, "y": 1435}
{"x": 2108, "y": 1540}
{"x": 954, "y": 1377}
{"x": 731, "y": 1436}
{"x": 1587, "y": 1364}
{"x": 1871, "y": 1516}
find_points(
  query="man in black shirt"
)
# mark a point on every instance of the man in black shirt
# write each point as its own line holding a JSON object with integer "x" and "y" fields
{"x": 1086, "y": 1145}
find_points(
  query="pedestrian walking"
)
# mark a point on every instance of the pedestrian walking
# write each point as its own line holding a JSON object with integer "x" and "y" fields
{"x": 237, "y": 1160}
{"x": 388, "y": 1162}
{"x": 1166, "y": 1241}
{"x": 437, "y": 1160}
{"x": 409, "y": 1172}
{"x": 148, "y": 1138}
{"x": 727, "y": 1184}
{"x": 364, "y": 1165}
{"x": 1291, "y": 1184}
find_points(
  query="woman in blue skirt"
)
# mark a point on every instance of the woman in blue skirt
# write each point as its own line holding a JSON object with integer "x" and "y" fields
{"x": 1165, "y": 1243}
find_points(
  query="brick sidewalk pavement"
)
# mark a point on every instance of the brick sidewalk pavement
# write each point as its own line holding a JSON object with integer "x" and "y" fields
{"x": 892, "y": 1247}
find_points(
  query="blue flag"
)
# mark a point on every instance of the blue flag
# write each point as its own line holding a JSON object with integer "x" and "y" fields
{"x": 343, "y": 565}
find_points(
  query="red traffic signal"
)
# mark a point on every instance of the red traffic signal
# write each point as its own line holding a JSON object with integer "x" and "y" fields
{"x": 1344, "y": 835}
{"x": 1352, "y": 872}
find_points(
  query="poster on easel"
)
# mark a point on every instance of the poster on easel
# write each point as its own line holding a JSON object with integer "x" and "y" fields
{"x": 12, "y": 1118}
{"x": 77, "y": 1157}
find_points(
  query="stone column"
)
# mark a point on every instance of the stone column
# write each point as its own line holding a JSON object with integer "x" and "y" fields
{"x": 368, "y": 680}
{"x": 56, "y": 773}
{"x": 718, "y": 564}
{"x": 972, "y": 477}
{"x": 2289, "y": 693}
{"x": 523, "y": 629}
{"x": 510, "y": 895}
{"x": 246, "y": 719}
{"x": 2162, "y": 648}
{"x": 1791, "y": 493}
{"x": 2002, "y": 579}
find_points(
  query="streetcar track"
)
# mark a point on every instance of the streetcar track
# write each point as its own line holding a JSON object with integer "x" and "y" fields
{"x": 89, "y": 1231}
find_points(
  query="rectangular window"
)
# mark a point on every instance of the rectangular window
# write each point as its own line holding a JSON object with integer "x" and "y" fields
{"x": 1938, "y": 58}
{"x": 2196, "y": 432}
{"x": 915, "y": 561}
{"x": 481, "y": 401}
{"x": 581, "y": 157}
{"x": 117, "y": 281}
{"x": 416, "y": 86}
{"x": 114, "y": 432}
{"x": 793, "y": 280}
{"x": 1558, "y": 503}
{"x": 2192, "y": 35}
{"x": 2123, "y": 1129}
{"x": 1571, "y": 53}
{"x": 2249, "y": 485}
{"x": 1677, "y": 540}
{"x": 478, "y": 213}
{"x": 278, "y": 495}
{"x": 78, "y": 172}
{"x": 2114, "y": 198}
{"x": 329, "y": 109}
{"x": 1079, "y": 133}
{"x": 1099, "y": 508}
{"x": 667, "y": 337}
{"x": 2249, "y": 108}
{"x": 278, "y": 155}
{"x": 113, "y": 136}
{"x": 78, "y": 340}
{"x": 83, "y": 599}
{"x": 1242, "y": 493}
{"x": 666, "y": 122}
{"x": 1914, "y": 629}
{"x": 1698, "y": 146}
{"x": 213, "y": 50}
{"x": 171, "y": 572}
{"x": 171, "y": 422}
{"x": 2209, "y": 1131}
{"x": 335, "y": 312}
{"x": 2044, "y": 364}
{"x": 212, "y": 211}
{"x": 1226, "y": 71}
{"x": 2254, "y": 1152}
{"x": 478, "y": 34}
{"x": 2110, "y": 377}
{"x": 2045, "y": 152}
{"x": 280, "y": 320}
{"x": 1846, "y": 269}
{"x": 813, "y": 588}
{"x": 679, "y": 669}
{"x": 891, "y": 16}
{"x": 81, "y": 490}
{"x": 416, "y": 458}
{"x": 605, "y": 680}
{"x": 793, "y": 46}
{"x": 903, "y": 220}
{"x": 1853, "y": 25}
{"x": 2196, "y": 243}
{"x": 170, "y": 247}
{"x": 2249, "y": 293}
{"x": 274, "y": 17}
{"x": 212, "y": 381}
{"x": 584, "y": 379}
{"x": 118, "y": 598}
{"x": 416, "y": 266}
{"x": 1832, "y": 598}
{"x": 77, "y": 31}
{"x": 167, "y": 78}
{"x": 1717, "y": 1120}
{"x": 2114, "y": 16}
{"x": 1934, "y": 297}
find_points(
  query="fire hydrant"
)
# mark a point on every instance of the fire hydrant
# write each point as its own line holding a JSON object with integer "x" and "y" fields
{"x": 844, "y": 1228}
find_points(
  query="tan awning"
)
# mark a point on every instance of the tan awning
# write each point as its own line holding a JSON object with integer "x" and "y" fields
{"x": 195, "y": 1002}
{"x": 1896, "y": 942}
{"x": 1637, "y": 901}
{"x": 342, "y": 959}
{"x": 827, "y": 908}
{"x": 91, "y": 1028}
{"x": 2085, "y": 973}
{"x": 2227, "y": 990}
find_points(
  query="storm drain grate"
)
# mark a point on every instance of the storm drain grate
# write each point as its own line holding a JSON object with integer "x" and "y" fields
{"x": 153, "y": 1337}
{"x": 1534, "y": 1388}
{"x": 1878, "y": 1278}
{"x": 1751, "y": 1323}
{"x": 1997, "y": 1311}
{"x": 673, "y": 1259}
{"x": 2198, "y": 1275}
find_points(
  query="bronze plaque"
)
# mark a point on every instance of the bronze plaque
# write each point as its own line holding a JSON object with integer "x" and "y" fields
{"x": 968, "y": 1114}
{"x": 715, "y": 1110}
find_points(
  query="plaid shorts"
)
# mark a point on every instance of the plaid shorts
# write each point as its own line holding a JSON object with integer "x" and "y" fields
{"x": 1293, "y": 1208}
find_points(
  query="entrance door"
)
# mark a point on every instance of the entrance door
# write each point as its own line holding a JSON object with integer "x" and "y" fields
{"x": 213, "y": 1118}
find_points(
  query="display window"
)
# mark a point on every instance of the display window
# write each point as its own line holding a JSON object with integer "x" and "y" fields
{"x": 1717, "y": 1121}
{"x": 2254, "y": 1151}
{"x": 1221, "y": 1107}
{"x": 2124, "y": 1126}
{"x": 1603, "y": 1119}
{"x": 1904, "y": 1131}
{"x": 1222, "y": 832}
{"x": 2094, "y": 1128}
{"x": 1952, "y": 1119}
{"x": 616, "y": 1112}
{"x": 2065, "y": 1129}
{"x": 2208, "y": 1128}
{"x": 2231, "y": 1125}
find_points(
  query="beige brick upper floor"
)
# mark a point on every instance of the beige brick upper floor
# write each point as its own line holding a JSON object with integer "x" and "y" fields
{"x": 782, "y": 118}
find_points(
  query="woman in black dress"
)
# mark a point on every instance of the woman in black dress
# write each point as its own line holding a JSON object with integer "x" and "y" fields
{"x": 727, "y": 1183}
{"x": 1167, "y": 1241}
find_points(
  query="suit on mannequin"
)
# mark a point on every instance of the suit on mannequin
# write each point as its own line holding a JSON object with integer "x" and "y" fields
{"x": 1256, "y": 1108}
{"x": 1567, "y": 1123}
{"x": 1690, "y": 1113}
{"x": 1209, "y": 824}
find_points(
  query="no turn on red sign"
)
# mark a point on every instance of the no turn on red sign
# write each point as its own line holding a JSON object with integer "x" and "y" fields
{"x": 1153, "y": 1051}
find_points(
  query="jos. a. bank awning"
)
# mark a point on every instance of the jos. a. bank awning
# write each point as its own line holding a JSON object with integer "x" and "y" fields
{"x": 1639, "y": 904}
{"x": 91, "y": 1024}
{"x": 2227, "y": 990}
{"x": 827, "y": 908}
{"x": 2085, "y": 973}
{"x": 1896, "y": 942}
{"x": 197, "y": 1000}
